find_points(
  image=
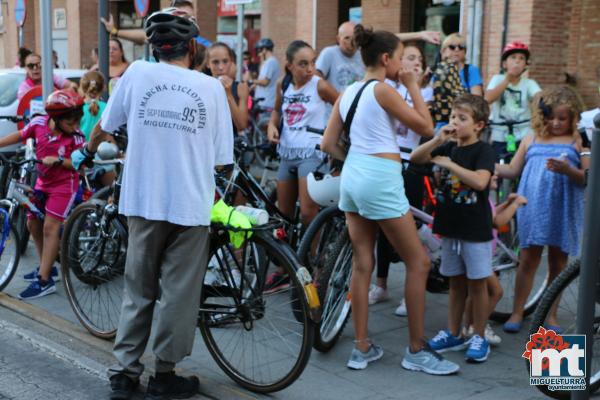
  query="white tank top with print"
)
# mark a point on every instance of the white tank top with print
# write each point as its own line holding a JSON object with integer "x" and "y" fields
{"x": 302, "y": 108}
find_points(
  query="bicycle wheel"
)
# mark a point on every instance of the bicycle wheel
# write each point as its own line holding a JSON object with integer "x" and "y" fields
{"x": 254, "y": 337}
{"x": 334, "y": 294}
{"x": 20, "y": 224}
{"x": 9, "y": 249}
{"x": 505, "y": 264}
{"x": 93, "y": 250}
{"x": 565, "y": 289}
{"x": 320, "y": 236}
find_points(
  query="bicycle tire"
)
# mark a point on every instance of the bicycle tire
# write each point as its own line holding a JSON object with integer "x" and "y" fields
{"x": 20, "y": 218}
{"x": 558, "y": 289}
{"x": 505, "y": 266}
{"x": 334, "y": 289}
{"x": 317, "y": 225}
{"x": 9, "y": 255}
{"x": 93, "y": 267}
{"x": 226, "y": 313}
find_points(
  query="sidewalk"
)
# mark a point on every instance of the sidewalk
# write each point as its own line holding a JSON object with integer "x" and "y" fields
{"x": 503, "y": 376}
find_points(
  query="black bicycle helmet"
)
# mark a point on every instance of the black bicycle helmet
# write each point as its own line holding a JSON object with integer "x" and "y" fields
{"x": 264, "y": 43}
{"x": 169, "y": 30}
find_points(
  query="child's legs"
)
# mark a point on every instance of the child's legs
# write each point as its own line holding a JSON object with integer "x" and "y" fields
{"x": 308, "y": 208}
{"x": 479, "y": 297}
{"x": 528, "y": 264}
{"x": 50, "y": 248}
{"x": 557, "y": 261}
{"x": 35, "y": 227}
{"x": 362, "y": 233}
{"x": 495, "y": 292}
{"x": 287, "y": 194}
{"x": 402, "y": 234}
{"x": 457, "y": 300}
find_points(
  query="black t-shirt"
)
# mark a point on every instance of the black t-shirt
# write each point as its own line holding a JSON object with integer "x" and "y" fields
{"x": 461, "y": 212}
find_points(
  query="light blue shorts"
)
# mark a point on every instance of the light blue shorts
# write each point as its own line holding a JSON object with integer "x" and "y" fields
{"x": 372, "y": 187}
{"x": 462, "y": 257}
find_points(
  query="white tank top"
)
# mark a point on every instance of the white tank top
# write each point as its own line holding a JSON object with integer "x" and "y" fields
{"x": 373, "y": 130}
{"x": 302, "y": 108}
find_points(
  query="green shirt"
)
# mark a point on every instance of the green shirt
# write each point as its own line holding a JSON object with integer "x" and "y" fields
{"x": 88, "y": 121}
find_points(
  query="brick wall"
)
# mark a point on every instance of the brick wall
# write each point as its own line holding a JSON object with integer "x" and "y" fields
{"x": 278, "y": 22}
{"x": 587, "y": 50}
{"x": 327, "y": 26}
{"x": 206, "y": 14}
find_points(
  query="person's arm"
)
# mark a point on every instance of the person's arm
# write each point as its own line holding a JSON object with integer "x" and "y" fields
{"x": 323, "y": 63}
{"x": 494, "y": 91}
{"x": 422, "y": 154}
{"x": 327, "y": 92}
{"x": 513, "y": 170}
{"x": 416, "y": 119}
{"x": 266, "y": 72}
{"x": 577, "y": 175}
{"x": 331, "y": 138}
{"x": 10, "y": 139}
{"x": 477, "y": 90}
{"x": 241, "y": 118}
{"x": 477, "y": 180}
{"x": 426, "y": 36}
{"x": 507, "y": 210}
{"x": 137, "y": 36}
{"x": 273, "y": 128}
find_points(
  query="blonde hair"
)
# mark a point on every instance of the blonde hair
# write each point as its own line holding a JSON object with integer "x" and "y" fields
{"x": 544, "y": 102}
{"x": 452, "y": 38}
{"x": 92, "y": 84}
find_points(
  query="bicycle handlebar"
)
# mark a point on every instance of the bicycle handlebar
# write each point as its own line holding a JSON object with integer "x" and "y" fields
{"x": 109, "y": 162}
{"x": 315, "y": 130}
{"x": 508, "y": 123}
{"x": 5, "y": 160}
{"x": 14, "y": 118}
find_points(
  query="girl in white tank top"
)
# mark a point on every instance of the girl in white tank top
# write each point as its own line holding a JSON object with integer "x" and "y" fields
{"x": 372, "y": 193}
{"x": 303, "y": 104}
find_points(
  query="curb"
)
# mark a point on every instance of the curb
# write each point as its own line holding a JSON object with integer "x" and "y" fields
{"x": 210, "y": 388}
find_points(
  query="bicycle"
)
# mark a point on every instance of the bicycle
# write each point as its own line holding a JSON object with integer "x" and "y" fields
{"x": 563, "y": 293}
{"x": 265, "y": 153}
{"x": 93, "y": 250}
{"x": 260, "y": 340}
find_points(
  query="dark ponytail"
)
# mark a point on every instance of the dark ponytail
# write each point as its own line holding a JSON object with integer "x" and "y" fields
{"x": 374, "y": 43}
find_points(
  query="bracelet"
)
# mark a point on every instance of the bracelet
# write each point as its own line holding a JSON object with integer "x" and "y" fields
{"x": 585, "y": 153}
{"x": 114, "y": 31}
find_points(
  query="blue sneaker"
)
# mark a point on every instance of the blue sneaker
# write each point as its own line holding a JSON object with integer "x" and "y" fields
{"x": 33, "y": 275}
{"x": 445, "y": 341}
{"x": 38, "y": 289}
{"x": 360, "y": 360}
{"x": 479, "y": 349}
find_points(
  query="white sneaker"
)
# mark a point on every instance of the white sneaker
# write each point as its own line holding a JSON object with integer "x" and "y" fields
{"x": 377, "y": 294}
{"x": 491, "y": 336}
{"x": 401, "y": 310}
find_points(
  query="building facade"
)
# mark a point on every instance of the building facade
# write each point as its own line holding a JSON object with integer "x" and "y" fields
{"x": 564, "y": 35}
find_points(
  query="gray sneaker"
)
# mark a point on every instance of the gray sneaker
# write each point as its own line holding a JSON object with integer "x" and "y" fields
{"x": 428, "y": 361}
{"x": 360, "y": 360}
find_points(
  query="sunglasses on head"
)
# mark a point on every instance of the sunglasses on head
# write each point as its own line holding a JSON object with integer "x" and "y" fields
{"x": 34, "y": 65}
{"x": 457, "y": 46}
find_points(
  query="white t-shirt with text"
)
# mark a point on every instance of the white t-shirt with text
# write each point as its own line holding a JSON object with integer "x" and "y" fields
{"x": 179, "y": 128}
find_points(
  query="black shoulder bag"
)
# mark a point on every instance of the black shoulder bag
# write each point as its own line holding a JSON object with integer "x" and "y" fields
{"x": 345, "y": 139}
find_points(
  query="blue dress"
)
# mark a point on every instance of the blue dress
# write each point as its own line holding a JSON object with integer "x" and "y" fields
{"x": 553, "y": 215}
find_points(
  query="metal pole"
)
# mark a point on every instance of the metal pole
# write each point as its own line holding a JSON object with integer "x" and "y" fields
{"x": 589, "y": 261}
{"x": 20, "y": 36}
{"x": 46, "y": 40}
{"x": 103, "y": 43}
{"x": 240, "y": 41}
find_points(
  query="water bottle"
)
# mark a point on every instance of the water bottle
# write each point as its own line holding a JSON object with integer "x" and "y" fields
{"x": 427, "y": 238}
{"x": 256, "y": 216}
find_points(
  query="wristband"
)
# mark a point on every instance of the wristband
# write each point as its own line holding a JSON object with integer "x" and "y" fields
{"x": 60, "y": 160}
{"x": 87, "y": 153}
{"x": 114, "y": 31}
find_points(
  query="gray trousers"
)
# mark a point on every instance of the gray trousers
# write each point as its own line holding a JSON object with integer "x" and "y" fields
{"x": 177, "y": 255}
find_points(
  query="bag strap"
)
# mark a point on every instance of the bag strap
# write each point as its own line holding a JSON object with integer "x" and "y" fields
{"x": 466, "y": 75}
{"x": 352, "y": 110}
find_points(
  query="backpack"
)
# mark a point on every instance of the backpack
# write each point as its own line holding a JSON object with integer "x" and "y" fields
{"x": 446, "y": 87}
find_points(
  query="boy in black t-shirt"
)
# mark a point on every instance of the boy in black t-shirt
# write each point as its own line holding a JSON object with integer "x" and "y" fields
{"x": 464, "y": 220}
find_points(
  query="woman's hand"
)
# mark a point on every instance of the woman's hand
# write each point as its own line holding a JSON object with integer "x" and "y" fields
{"x": 517, "y": 199}
{"x": 407, "y": 77}
{"x": 110, "y": 24}
{"x": 558, "y": 165}
{"x": 273, "y": 134}
{"x": 227, "y": 83}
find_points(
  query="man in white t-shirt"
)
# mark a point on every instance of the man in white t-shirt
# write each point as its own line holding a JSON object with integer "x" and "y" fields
{"x": 179, "y": 129}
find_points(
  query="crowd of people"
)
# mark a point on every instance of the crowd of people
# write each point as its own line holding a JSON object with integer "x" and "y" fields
{"x": 384, "y": 113}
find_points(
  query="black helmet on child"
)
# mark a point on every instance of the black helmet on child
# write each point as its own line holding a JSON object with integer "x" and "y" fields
{"x": 264, "y": 43}
{"x": 170, "y": 30}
